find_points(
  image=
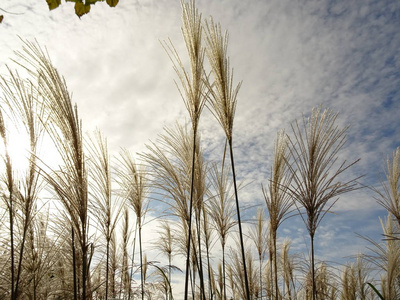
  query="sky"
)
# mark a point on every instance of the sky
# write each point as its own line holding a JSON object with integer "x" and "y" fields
{"x": 290, "y": 55}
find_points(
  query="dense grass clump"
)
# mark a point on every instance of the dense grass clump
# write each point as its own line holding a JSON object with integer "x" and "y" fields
{"x": 71, "y": 230}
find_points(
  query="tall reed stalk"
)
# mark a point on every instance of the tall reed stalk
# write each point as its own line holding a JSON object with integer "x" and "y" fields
{"x": 134, "y": 186}
{"x": 192, "y": 92}
{"x": 9, "y": 198}
{"x": 288, "y": 269}
{"x": 389, "y": 196}
{"x": 314, "y": 151}
{"x": 208, "y": 233}
{"x": 222, "y": 101}
{"x": 21, "y": 98}
{"x": 65, "y": 128}
{"x": 164, "y": 244}
{"x": 171, "y": 163}
{"x": 221, "y": 211}
{"x": 126, "y": 233}
{"x": 385, "y": 257}
{"x": 258, "y": 234}
{"x": 277, "y": 198}
{"x": 106, "y": 208}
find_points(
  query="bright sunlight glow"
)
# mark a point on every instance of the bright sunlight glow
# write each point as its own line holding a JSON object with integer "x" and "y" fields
{"x": 18, "y": 149}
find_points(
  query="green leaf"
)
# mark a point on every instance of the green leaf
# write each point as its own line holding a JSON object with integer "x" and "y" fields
{"x": 375, "y": 290}
{"x": 112, "y": 3}
{"x": 89, "y": 2}
{"x": 53, "y": 3}
{"x": 81, "y": 9}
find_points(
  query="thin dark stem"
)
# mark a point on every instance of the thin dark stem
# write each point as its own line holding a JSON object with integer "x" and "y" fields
{"x": 208, "y": 252}
{"x": 275, "y": 267}
{"x": 314, "y": 288}
{"x": 107, "y": 262}
{"x": 201, "y": 276}
{"x": 190, "y": 217}
{"x": 12, "y": 244}
{"x": 133, "y": 257}
{"x": 239, "y": 221}
{"x": 141, "y": 259}
{"x": 260, "y": 274}
{"x": 74, "y": 262}
{"x": 271, "y": 258}
{"x": 169, "y": 276}
{"x": 21, "y": 254}
{"x": 84, "y": 263}
{"x": 223, "y": 270}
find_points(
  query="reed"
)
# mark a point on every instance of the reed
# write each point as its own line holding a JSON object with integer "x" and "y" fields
{"x": 222, "y": 99}
{"x": 171, "y": 163}
{"x": 105, "y": 208}
{"x": 65, "y": 128}
{"x": 134, "y": 186}
{"x": 22, "y": 100}
{"x": 221, "y": 209}
{"x": 258, "y": 235}
{"x": 314, "y": 150}
{"x": 192, "y": 91}
{"x": 385, "y": 257}
{"x": 288, "y": 272}
{"x": 389, "y": 196}
{"x": 9, "y": 197}
{"x": 126, "y": 233}
{"x": 278, "y": 200}
{"x": 164, "y": 244}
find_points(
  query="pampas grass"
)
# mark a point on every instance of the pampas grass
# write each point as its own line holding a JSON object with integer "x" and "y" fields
{"x": 258, "y": 234}
{"x": 278, "y": 200}
{"x": 386, "y": 257}
{"x": 105, "y": 208}
{"x": 222, "y": 102}
{"x": 221, "y": 210}
{"x": 165, "y": 245}
{"x": 52, "y": 244}
{"x": 193, "y": 91}
{"x": 64, "y": 127}
{"x": 134, "y": 187}
{"x": 314, "y": 150}
{"x": 389, "y": 197}
{"x": 21, "y": 99}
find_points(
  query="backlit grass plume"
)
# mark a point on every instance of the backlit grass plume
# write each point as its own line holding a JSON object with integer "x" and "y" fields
{"x": 21, "y": 98}
{"x": 222, "y": 211}
{"x": 314, "y": 150}
{"x": 259, "y": 236}
{"x": 8, "y": 197}
{"x": 134, "y": 187}
{"x": 222, "y": 101}
{"x": 171, "y": 163}
{"x": 389, "y": 197}
{"x": 192, "y": 91}
{"x": 107, "y": 207}
{"x": 277, "y": 198}
{"x": 65, "y": 128}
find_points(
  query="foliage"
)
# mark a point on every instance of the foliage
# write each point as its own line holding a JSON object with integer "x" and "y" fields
{"x": 82, "y": 7}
